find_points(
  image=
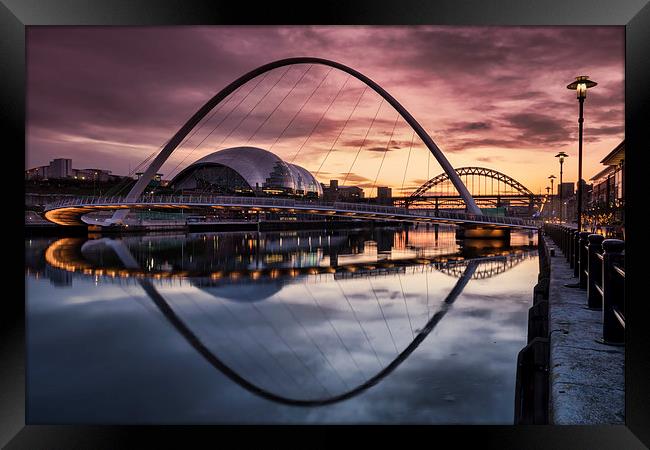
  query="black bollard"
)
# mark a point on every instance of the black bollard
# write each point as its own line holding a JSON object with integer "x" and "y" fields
{"x": 594, "y": 271}
{"x": 573, "y": 244}
{"x": 582, "y": 259}
{"x": 574, "y": 252}
{"x": 613, "y": 292}
{"x": 565, "y": 248}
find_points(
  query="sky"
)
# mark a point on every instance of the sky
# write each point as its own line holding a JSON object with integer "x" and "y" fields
{"x": 495, "y": 97}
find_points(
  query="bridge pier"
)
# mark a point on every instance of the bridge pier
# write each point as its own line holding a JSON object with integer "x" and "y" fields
{"x": 482, "y": 232}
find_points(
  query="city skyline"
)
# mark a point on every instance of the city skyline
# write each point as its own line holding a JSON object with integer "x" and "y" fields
{"x": 489, "y": 96}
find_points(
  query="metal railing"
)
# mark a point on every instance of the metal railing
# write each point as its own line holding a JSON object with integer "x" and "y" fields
{"x": 266, "y": 202}
{"x": 598, "y": 264}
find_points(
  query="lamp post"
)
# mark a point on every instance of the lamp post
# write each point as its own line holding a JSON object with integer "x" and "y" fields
{"x": 561, "y": 155}
{"x": 581, "y": 85}
{"x": 552, "y": 177}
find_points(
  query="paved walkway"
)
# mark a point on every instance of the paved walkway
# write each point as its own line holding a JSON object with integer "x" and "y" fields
{"x": 587, "y": 378}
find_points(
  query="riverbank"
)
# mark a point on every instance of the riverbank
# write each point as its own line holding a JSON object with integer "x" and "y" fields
{"x": 586, "y": 378}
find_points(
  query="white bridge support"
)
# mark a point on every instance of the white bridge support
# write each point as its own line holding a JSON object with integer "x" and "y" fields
{"x": 173, "y": 143}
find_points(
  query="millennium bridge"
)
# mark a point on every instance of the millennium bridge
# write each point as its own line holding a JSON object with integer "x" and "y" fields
{"x": 71, "y": 211}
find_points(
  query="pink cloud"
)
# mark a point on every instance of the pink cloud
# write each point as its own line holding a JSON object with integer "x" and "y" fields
{"x": 108, "y": 97}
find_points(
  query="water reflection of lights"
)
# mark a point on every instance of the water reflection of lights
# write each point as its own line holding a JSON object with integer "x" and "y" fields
{"x": 65, "y": 254}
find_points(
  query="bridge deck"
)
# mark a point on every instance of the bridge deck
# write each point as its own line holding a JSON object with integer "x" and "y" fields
{"x": 70, "y": 211}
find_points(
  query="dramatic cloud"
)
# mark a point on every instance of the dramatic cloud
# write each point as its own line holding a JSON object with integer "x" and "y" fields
{"x": 109, "y": 97}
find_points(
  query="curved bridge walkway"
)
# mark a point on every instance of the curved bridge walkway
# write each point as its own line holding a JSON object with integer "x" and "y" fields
{"x": 70, "y": 211}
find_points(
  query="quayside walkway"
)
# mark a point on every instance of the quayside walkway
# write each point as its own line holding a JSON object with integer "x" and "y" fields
{"x": 586, "y": 379}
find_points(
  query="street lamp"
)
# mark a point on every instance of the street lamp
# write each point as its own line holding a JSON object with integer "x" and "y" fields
{"x": 561, "y": 155}
{"x": 581, "y": 85}
{"x": 552, "y": 177}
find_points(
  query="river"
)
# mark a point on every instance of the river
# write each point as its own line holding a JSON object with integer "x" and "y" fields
{"x": 383, "y": 325}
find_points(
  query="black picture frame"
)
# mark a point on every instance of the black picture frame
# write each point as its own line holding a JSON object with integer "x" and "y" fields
{"x": 15, "y": 15}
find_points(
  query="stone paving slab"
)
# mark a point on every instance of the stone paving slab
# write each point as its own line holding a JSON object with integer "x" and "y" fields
{"x": 587, "y": 381}
{"x": 586, "y": 405}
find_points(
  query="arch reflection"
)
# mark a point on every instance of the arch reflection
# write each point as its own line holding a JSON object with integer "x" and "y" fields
{"x": 82, "y": 257}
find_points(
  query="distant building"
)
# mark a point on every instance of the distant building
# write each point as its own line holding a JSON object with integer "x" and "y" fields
{"x": 609, "y": 183}
{"x": 157, "y": 177}
{"x": 586, "y": 192}
{"x": 60, "y": 168}
{"x": 385, "y": 196}
{"x": 248, "y": 171}
{"x": 347, "y": 193}
{"x": 334, "y": 192}
{"x": 566, "y": 190}
{"x": 608, "y": 191}
{"x": 93, "y": 175}
{"x": 37, "y": 173}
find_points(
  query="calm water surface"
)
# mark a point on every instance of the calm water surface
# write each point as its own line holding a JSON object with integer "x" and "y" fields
{"x": 341, "y": 326}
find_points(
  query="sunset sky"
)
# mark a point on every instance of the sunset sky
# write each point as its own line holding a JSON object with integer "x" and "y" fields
{"x": 494, "y": 97}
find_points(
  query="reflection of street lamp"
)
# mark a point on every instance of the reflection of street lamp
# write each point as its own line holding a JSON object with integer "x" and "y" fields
{"x": 561, "y": 155}
{"x": 552, "y": 177}
{"x": 581, "y": 85}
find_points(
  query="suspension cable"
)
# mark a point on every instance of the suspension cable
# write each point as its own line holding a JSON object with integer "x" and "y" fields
{"x": 384, "y": 156}
{"x": 291, "y": 349}
{"x": 342, "y": 129}
{"x": 311, "y": 339}
{"x": 383, "y": 316}
{"x": 223, "y": 119}
{"x": 354, "y": 313}
{"x": 426, "y": 278}
{"x": 311, "y": 294}
{"x": 360, "y": 147}
{"x": 119, "y": 187}
{"x": 210, "y": 317}
{"x": 280, "y": 103}
{"x": 125, "y": 182}
{"x": 407, "y": 164}
{"x": 301, "y": 108}
{"x": 260, "y": 343}
{"x": 321, "y": 117}
{"x": 243, "y": 118}
{"x": 405, "y": 304}
{"x": 199, "y": 127}
{"x": 255, "y": 107}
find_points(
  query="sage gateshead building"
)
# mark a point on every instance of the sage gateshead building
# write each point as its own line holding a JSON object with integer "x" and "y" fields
{"x": 248, "y": 171}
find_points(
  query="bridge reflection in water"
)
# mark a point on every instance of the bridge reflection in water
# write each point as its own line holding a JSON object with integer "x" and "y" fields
{"x": 306, "y": 319}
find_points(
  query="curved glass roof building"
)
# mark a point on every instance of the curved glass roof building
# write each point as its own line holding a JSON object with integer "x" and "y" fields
{"x": 246, "y": 171}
